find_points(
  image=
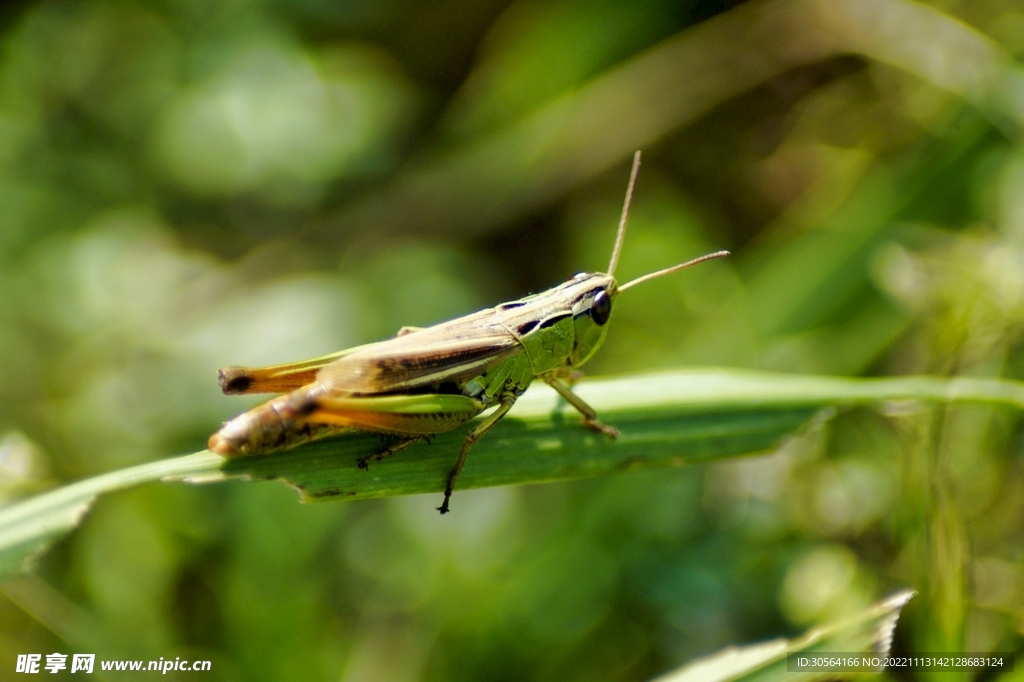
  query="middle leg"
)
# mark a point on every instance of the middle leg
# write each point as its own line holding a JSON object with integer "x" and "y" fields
{"x": 400, "y": 444}
{"x": 473, "y": 436}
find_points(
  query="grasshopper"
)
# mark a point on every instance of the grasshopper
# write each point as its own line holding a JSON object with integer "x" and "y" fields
{"x": 430, "y": 380}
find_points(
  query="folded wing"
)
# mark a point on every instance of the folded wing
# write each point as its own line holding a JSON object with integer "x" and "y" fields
{"x": 451, "y": 352}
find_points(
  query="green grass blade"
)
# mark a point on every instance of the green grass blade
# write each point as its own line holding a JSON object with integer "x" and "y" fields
{"x": 667, "y": 419}
{"x": 869, "y": 632}
{"x": 28, "y": 527}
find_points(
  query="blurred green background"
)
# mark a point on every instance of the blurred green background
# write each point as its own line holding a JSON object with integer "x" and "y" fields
{"x": 190, "y": 184}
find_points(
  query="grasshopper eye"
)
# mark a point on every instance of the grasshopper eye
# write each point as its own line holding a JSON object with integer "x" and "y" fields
{"x": 601, "y": 308}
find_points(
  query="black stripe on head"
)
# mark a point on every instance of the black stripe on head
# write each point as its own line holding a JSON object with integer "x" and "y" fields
{"x": 591, "y": 295}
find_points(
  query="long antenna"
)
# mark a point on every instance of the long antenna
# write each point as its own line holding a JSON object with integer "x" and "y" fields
{"x": 659, "y": 273}
{"x": 625, "y": 214}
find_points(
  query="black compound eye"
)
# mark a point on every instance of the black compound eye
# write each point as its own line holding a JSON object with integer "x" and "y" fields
{"x": 601, "y": 308}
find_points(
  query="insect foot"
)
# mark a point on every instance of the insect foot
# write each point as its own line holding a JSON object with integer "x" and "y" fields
{"x": 609, "y": 431}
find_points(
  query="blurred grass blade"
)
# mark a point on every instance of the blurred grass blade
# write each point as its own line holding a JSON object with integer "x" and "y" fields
{"x": 27, "y": 528}
{"x": 667, "y": 419}
{"x": 868, "y": 632}
{"x": 579, "y": 135}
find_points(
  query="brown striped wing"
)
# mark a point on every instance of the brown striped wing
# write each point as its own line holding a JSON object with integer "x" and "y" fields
{"x": 450, "y": 352}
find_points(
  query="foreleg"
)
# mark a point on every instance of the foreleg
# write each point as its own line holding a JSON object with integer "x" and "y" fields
{"x": 589, "y": 414}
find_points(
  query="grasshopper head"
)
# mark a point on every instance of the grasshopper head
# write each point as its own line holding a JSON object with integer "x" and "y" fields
{"x": 592, "y": 294}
